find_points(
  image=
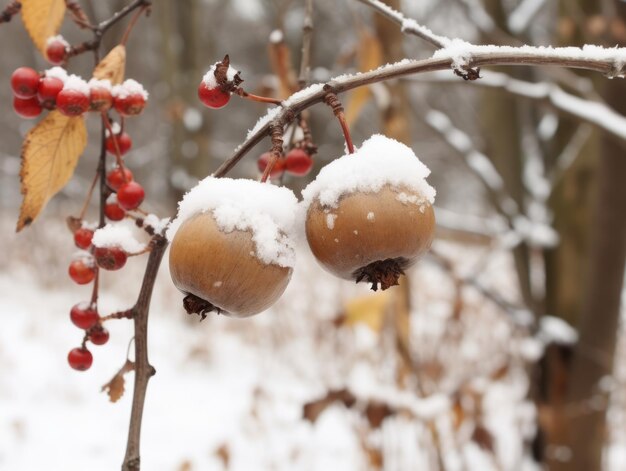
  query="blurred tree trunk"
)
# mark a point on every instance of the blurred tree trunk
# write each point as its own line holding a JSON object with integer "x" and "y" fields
{"x": 587, "y": 271}
{"x": 189, "y": 145}
{"x": 572, "y": 204}
{"x": 500, "y": 118}
{"x": 604, "y": 278}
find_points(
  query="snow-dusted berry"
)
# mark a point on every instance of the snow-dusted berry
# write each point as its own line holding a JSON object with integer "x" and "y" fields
{"x": 49, "y": 89}
{"x": 100, "y": 95}
{"x": 212, "y": 97}
{"x": 112, "y": 209}
{"x": 82, "y": 238}
{"x": 57, "y": 49}
{"x": 82, "y": 269}
{"x": 110, "y": 258}
{"x": 73, "y": 100}
{"x": 129, "y": 98}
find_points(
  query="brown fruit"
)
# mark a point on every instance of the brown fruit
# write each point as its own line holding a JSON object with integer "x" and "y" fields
{"x": 220, "y": 271}
{"x": 371, "y": 236}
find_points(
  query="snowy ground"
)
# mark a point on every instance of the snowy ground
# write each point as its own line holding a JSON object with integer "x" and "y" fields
{"x": 232, "y": 392}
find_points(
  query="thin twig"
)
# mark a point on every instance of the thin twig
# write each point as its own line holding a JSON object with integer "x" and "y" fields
{"x": 408, "y": 25}
{"x": 143, "y": 369}
{"x": 307, "y": 37}
{"x": 9, "y": 11}
{"x": 291, "y": 108}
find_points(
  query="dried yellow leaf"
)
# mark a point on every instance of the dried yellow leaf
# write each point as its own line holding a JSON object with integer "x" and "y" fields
{"x": 368, "y": 310}
{"x": 42, "y": 19}
{"x": 112, "y": 66}
{"x": 49, "y": 156}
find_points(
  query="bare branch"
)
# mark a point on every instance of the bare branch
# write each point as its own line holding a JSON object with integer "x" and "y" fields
{"x": 589, "y": 111}
{"x": 408, "y": 25}
{"x": 307, "y": 36}
{"x": 610, "y": 64}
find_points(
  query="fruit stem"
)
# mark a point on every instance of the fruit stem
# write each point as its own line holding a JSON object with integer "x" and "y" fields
{"x": 81, "y": 216}
{"x": 262, "y": 99}
{"x": 276, "y": 133}
{"x": 332, "y": 100}
{"x": 127, "y": 314}
{"x": 118, "y": 155}
{"x": 131, "y": 24}
{"x": 94, "y": 291}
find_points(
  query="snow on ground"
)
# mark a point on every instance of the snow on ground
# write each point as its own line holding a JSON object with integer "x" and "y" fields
{"x": 240, "y": 385}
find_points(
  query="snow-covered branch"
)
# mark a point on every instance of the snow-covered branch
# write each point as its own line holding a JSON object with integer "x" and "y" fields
{"x": 589, "y": 111}
{"x": 408, "y": 25}
{"x": 460, "y": 55}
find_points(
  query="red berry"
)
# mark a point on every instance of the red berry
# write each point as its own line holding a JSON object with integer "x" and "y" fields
{"x": 114, "y": 212}
{"x": 56, "y": 51}
{"x": 84, "y": 316}
{"x": 124, "y": 143}
{"x": 72, "y": 102}
{"x": 82, "y": 238}
{"x": 49, "y": 88}
{"x": 100, "y": 98}
{"x": 80, "y": 358}
{"x": 118, "y": 176}
{"x": 24, "y": 82}
{"x": 130, "y": 195}
{"x": 82, "y": 271}
{"x": 212, "y": 97}
{"x": 298, "y": 162}
{"x": 98, "y": 335}
{"x": 277, "y": 170}
{"x": 29, "y": 108}
{"x": 110, "y": 258}
{"x": 130, "y": 105}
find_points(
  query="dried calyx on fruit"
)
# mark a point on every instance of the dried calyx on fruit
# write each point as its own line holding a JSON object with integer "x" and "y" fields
{"x": 369, "y": 215}
{"x": 218, "y": 83}
{"x": 232, "y": 249}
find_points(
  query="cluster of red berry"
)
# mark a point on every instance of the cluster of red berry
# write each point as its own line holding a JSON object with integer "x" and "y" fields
{"x": 71, "y": 95}
{"x": 296, "y": 162}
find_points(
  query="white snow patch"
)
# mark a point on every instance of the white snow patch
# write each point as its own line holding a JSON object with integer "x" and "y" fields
{"x": 156, "y": 223}
{"x": 330, "y": 220}
{"x": 263, "y": 120}
{"x": 128, "y": 88}
{"x": 268, "y": 211}
{"x": 210, "y": 80}
{"x": 74, "y": 82}
{"x": 305, "y": 92}
{"x": 555, "y": 330}
{"x": 57, "y": 38}
{"x": 57, "y": 72}
{"x": 276, "y": 36}
{"x": 95, "y": 83}
{"x": 378, "y": 162}
{"x": 117, "y": 235}
{"x": 461, "y": 53}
